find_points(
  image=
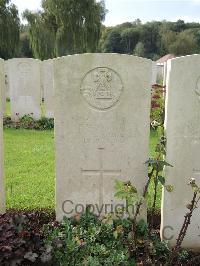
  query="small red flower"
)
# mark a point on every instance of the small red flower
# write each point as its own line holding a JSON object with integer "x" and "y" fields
{"x": 156, "y": 96}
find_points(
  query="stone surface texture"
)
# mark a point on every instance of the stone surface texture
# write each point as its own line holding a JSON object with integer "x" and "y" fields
{"x": 101, "y": 128}
{"x": 48, "y": 87}
{"x": 7, "y": 89}
{"x": 24, "y": 83}
{"x": 183, "y": 148}
{"x": 2, "y": 188}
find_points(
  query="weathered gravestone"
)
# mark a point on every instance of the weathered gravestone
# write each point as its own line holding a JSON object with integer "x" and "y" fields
{"x": 102, "y": 128}
{"x": 3, "y": 87}
{"x": 48, "y": 88}
{"x": 165, "y": 74}
{"x": 6, "y": 91}
{"x": 7, "y": 88}
{"x": 2, "y": 190}
{"x": 183, "y": 148}
{"x": 24, "y": 83}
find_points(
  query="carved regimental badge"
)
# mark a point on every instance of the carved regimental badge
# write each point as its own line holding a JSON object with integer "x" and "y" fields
{"x": 101, "y": 88}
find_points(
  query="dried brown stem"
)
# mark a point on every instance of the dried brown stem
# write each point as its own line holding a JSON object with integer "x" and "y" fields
{"x": 184, "y": 228}
{"x": 139, "y": 206}
{"x": 144, "y": 195}
{"x": 154, "y": 201}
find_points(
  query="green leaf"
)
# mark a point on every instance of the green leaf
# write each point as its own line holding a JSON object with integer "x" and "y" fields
{"x": 120, "y": 195}
{"x": 119, "y": 184}
{"x": 157, "y": 164}
{"x": 161, "y": 179}
{"x": 150, "y": 161}
{"x": 142, "y": 228}
{"x": 115, "y": 234}
{"x": 167, "y": 164}
{"x": 133, "y": 189}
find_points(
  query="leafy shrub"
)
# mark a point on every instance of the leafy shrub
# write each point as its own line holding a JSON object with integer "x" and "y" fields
{"x": 22, "y": 238}
{"x": 86, "y": 240}
{"x": 28, "y": 122}
{"x": 35, "y": 238}
{"x": 142, "y": 229}
{"x": 183, "y": 255}
{"x": 7, "y": 122}
{"x": 46, "y": 123}
{"x": 161, "y": 248}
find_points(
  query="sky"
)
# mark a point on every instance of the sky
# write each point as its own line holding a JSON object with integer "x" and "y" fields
{"x": 120, "y": 11}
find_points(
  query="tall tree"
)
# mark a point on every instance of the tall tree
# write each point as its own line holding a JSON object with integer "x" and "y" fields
{"x": 24, "y": 43}
{"x": 168, "y": 37}
{"x": 71, "y": 26}
{"x": 150, "y": 37}
{"x": 185, "y": 44}
{"x": 130, "y": 38}
{"x": 9, "y": 29}
{"x": 139, "y": 50}
{"x": 41, "y": 36}
{"x": 113, "y": 42}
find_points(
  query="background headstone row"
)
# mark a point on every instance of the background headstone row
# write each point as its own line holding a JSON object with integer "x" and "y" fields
{"x": 29, "y": 87}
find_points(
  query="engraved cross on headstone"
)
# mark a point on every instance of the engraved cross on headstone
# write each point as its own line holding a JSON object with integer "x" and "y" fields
{"x": 101, "y": 172}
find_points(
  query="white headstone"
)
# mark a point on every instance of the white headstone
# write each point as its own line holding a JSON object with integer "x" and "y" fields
{"x": 24, "y": 82}
{"x": 165, "y": 74}
{"x": 3, "y": 87}
{"x": 183, "y": 148}
{"x": 160, "y": 72}
{"x": 2, "y": 189}
{"x": 102, "y": 128}
{"x": 48, "y": 88}
{"x": 7, "y": 90}
{"x": 154, "y": 75}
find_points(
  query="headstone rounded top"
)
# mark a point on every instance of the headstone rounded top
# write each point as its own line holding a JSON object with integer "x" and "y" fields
{"x": 101, "y": 88}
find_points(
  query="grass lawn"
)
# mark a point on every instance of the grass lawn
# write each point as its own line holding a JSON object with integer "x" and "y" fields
{"x": 153, "y": 142}
{"x": 8, "y": 113}
{"x": 29, "y": 168}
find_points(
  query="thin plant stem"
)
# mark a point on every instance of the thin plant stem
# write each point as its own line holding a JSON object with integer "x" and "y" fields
{"x": 143, "y": 195}
{"x": 184, "y": 228}
{"x": 154, "y": 200}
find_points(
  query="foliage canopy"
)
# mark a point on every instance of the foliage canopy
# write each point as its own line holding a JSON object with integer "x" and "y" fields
{"x": 65, "y": 27}
{"x": 9, "y": 29}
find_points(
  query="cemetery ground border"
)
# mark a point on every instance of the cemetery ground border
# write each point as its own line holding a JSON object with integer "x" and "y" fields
{"x": 107, "y": 209}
